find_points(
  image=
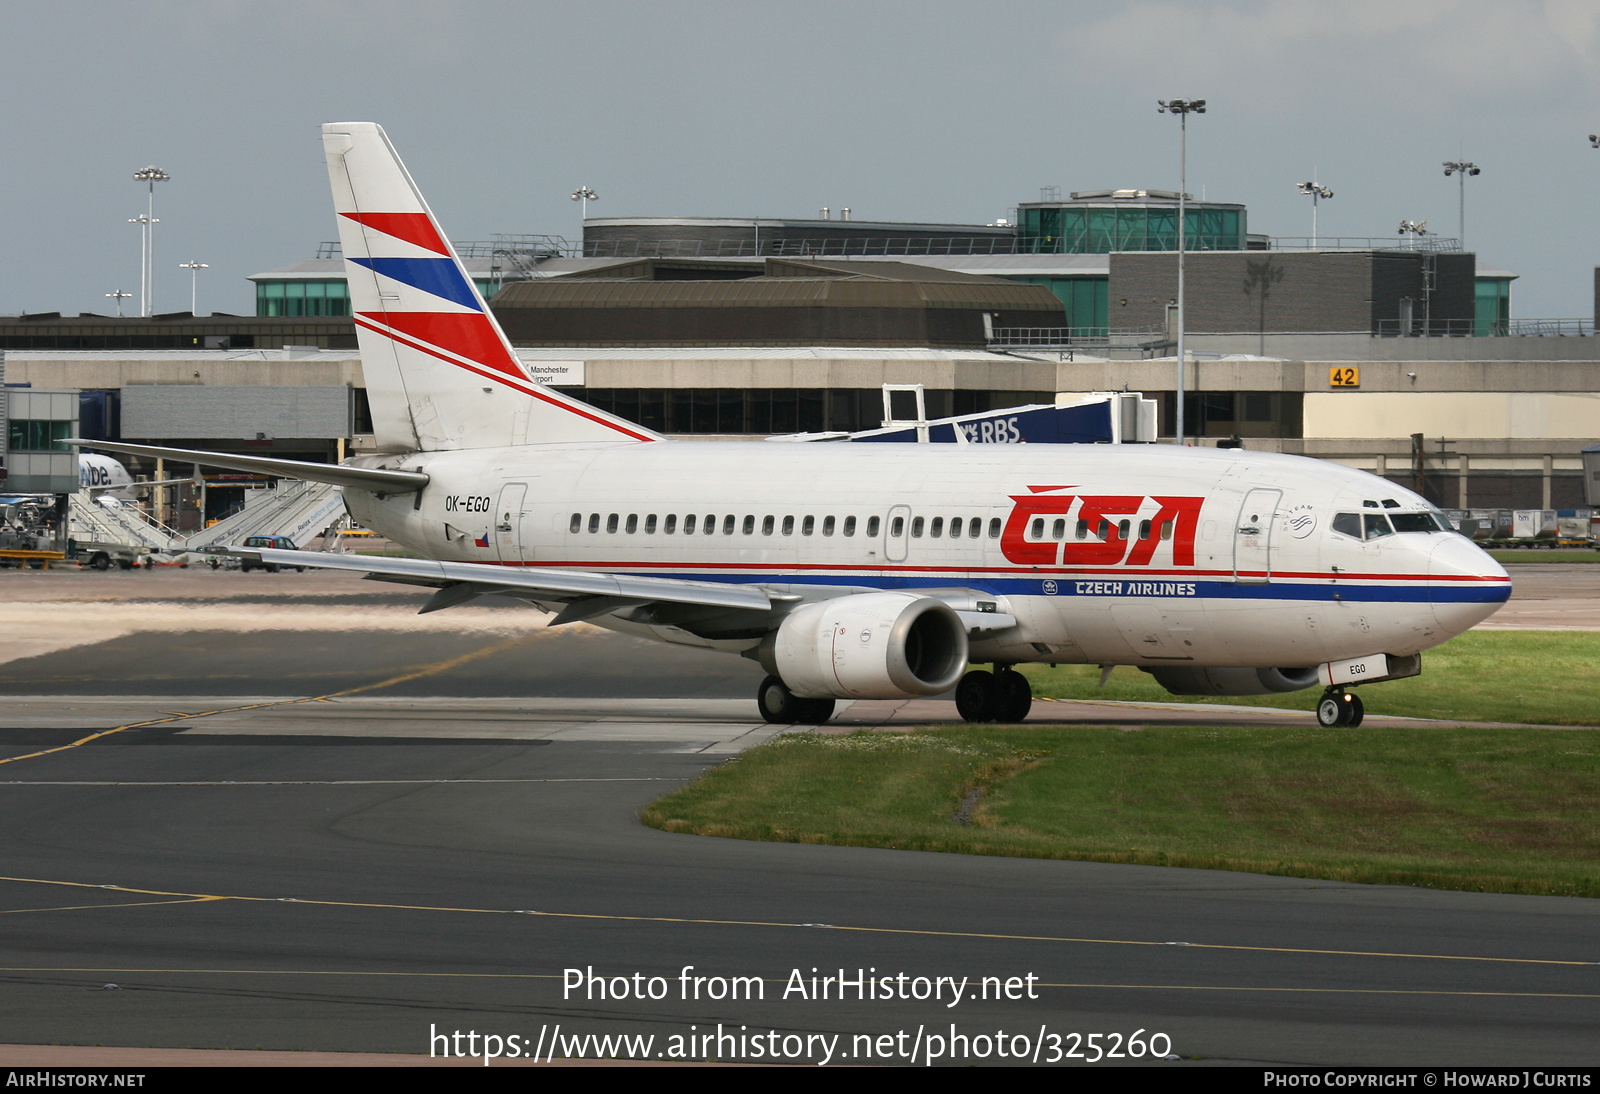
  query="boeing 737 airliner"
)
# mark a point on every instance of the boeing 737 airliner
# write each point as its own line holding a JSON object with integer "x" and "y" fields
{"x": 854, "y": 571}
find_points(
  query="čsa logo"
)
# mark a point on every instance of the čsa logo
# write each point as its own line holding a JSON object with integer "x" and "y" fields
{"x": 1050, "y": 528}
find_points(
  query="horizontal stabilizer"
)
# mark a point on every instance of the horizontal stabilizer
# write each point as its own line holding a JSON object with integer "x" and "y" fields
{"x": 377, "y": 480}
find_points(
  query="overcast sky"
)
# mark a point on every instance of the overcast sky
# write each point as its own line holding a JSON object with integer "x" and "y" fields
{"x": 903, "y": 111}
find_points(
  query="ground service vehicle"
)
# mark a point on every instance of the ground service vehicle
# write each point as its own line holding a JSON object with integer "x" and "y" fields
{"x": 273, "y": 543}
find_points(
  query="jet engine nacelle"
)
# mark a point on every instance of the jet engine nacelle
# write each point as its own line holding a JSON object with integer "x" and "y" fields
{"x": 1227, "y": 681}
{"x": 869, "y": 646}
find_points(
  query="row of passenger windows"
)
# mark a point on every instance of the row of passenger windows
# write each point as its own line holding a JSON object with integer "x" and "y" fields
{"x": 695, "y": 524}
{"x": 1105, "y": 531}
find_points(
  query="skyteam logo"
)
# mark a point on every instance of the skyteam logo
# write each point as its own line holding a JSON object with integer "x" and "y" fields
{"x": 1302, "y": 520}
{"x": 1054, "y": 527}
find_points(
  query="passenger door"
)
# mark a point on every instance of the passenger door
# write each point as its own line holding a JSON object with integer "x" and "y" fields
{"x": 1252, "y": 537}
{"x": 508, "y": 521}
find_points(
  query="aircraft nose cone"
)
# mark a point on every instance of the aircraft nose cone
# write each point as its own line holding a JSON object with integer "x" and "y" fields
{"x": 1467, "y": 585}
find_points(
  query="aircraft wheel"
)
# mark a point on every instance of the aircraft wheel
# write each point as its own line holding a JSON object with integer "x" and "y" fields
{"x": 976, "y": 695}
{"x": 778, "y": 704}
{"x": 1013, "y": 696}
{"x": 1329, "y": 711}
{"x": 1357, "y": 711}
{"x": 814, "y": 712}
{"x": 1338, "y": 708}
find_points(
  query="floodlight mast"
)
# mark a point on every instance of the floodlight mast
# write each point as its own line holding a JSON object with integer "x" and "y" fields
{"x": 194, "y": 269}
{"x": 1182, "y": 108}
{"x": 147, "y": 223}
{"x": 1316, "y": 193}
{"x": 1461, "y": 169}
{"x": 585, "y": 195}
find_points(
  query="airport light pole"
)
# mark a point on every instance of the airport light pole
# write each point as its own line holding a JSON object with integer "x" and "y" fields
{"x": 1316, "y": 193}
{"x": 147, "y": 275}
{"x": 1182, "y": 108}
{"x": 1461, "y": 169}
{"x": 119, "y": 296}
{"x": 144, "y": 223}
{"x": 585, "y": 195}
{"x": 194, "y": 269}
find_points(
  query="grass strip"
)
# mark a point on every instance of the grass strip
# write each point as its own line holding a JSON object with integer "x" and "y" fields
{"x": 1478, "y": 810}
{"x": 1539, "y": 677}
{"x": 1511, "y": 555}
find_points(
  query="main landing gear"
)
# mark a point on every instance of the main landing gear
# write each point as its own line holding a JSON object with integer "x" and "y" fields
{"x": 1339, "y": 707}
{"x": 781, "y": 706}
{"x": 1000, "y": 696}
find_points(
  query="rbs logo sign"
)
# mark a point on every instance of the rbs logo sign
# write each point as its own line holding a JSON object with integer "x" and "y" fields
{"x": 1049, "y": 528}
{"x": 994, "y": 431}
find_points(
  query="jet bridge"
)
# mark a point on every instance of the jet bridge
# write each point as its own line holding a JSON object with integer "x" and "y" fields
{"x": 1101, "y": 417}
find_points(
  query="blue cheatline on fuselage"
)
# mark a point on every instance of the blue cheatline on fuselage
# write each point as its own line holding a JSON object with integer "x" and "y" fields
{"x": 1071, "y": 585}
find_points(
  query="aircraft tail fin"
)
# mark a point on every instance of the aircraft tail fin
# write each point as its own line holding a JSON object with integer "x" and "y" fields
{"x": 440, "y": 372}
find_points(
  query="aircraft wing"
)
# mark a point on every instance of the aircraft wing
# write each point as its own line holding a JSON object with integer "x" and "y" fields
{"x": 585, "y": 594}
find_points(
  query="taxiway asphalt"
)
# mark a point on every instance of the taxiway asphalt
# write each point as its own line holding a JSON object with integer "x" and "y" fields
{"x": 428, "y": 851}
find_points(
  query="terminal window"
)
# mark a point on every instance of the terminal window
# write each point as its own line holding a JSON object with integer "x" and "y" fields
{"x": 302, "y": 298}
{"x": 38, "y": 436}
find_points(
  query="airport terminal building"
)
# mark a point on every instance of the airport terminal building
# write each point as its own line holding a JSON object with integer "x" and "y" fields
{"x": 1403, "y": 360}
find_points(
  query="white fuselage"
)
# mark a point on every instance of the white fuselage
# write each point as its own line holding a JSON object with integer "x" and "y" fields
{"x": 105, "y": 477}
{"x": 1125, "y": 554}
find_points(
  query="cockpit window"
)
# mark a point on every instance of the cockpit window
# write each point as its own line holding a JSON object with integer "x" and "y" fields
{"x": 1390, "y": 503}
{"x": 1415, "y": 522}
{"x": 1348, "y": 523}
{"x": 1377, "y": 526}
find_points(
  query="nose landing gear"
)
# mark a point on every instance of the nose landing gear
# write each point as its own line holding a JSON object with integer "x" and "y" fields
{"x": 1339, "y": 707}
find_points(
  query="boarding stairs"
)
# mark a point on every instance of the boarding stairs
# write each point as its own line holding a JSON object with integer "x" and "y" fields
{"x": 298, "y": 510}
{"x": 121, "y": 533}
